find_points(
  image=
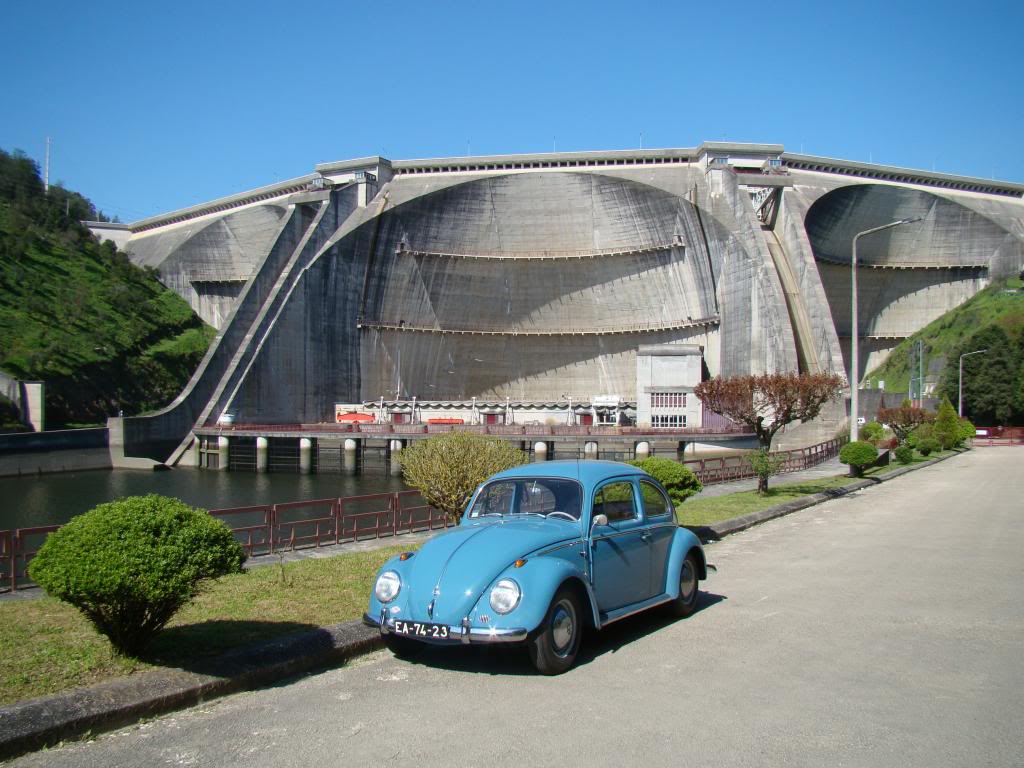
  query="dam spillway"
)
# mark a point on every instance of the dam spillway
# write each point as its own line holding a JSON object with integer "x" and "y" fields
{"x": 538, "y": 277}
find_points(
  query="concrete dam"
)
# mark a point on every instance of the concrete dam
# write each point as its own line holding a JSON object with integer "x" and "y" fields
{"x": 535, "y": 279}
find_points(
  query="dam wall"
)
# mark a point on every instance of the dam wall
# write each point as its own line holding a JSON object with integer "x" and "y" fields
{"x": 537, "y": 277}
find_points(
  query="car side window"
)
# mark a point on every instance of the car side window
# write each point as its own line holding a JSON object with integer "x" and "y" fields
{"x": 655, "y": 503}
{"x": 615, "y": 501}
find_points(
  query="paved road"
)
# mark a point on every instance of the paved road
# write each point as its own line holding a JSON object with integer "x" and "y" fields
{"x": 880, "y": 629}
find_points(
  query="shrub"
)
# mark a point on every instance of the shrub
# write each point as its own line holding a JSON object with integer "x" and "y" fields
{"x": 858, "y": 455}
{"x": 129, "y": 565}
{"x": 947, "y": 425}
{"x": 922, "y": 432}
{"x": 765, "y": 465}
{"x": 679, "y": 481}
{"x": 872, "y": 432}
{"x": 904, "y": 454}
{"x": 446, "y": 469}
{"x": 928, "y": 445}
{"x": 966, "y": 431}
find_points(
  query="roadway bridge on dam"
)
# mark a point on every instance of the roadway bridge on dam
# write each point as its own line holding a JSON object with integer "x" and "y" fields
{"x": 535, "y": 277}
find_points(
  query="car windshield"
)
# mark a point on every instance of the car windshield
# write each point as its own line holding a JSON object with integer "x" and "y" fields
{"x": 529, "y": 496}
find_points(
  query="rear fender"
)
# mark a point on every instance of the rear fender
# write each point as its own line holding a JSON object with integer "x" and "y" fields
{"x": 683, "y": 542}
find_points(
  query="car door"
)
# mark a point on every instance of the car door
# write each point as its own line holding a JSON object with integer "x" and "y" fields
{"x": 620, "y": 550}
{"x": 659, "y": 517}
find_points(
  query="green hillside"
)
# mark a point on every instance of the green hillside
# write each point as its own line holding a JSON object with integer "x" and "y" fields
{"x": 103, "y": 334}
{"x": 993, "y": 320}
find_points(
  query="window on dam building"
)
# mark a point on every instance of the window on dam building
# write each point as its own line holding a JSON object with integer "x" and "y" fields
{"x": 668, "y": 400}
{"x": 668, "y": 420}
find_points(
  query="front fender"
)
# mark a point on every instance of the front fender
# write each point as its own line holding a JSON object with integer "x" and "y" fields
{"x": 539, "y": 580}
{"x": 682, "y": 542}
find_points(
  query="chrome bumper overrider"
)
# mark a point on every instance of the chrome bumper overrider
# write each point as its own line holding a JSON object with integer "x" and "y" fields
{"x": 462, "y": 633}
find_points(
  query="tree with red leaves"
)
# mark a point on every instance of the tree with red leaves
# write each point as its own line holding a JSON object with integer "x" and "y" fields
{"x": 905, "y": 419}
{"x": 768, "y": 403}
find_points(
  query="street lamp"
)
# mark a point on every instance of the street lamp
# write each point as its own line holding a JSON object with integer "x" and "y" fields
{"x": 855, "y": 329}
{"x": 960, "y": 383}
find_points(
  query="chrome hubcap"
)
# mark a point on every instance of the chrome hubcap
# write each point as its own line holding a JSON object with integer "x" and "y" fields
{"x": 562, "y": 627}
{"x": 687, "y": 583}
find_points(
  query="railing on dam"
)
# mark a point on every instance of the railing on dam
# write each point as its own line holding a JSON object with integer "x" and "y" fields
{"x": 590, "y": 330}
{"x": 502, "y": 430}
{"x": 595, "y": 253}
{"x": 269, "y": 528}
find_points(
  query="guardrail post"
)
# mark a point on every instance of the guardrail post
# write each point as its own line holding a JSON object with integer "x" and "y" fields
{"x": 15, "y": 547}
{"x": 271, "y": 526}
{"x": 396, "y": 504}
{"x": 336, "y": 510}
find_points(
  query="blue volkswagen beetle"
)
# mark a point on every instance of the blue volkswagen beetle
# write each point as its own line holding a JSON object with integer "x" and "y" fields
{"x": 543, "y": 552}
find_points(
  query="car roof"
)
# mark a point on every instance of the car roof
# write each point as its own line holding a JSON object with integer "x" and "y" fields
{"x": 589, "y": 471}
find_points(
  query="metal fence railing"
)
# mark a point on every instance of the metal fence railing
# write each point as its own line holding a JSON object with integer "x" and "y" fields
{"x": 268, "y": 528}
{"x": 993, "y": 436}
{"x": 724, "y": 469}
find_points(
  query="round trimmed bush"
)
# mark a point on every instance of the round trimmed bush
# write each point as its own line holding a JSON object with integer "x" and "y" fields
{"x": 679, "y": 481}
{"x": 858, "y": 455}
{"x": 928, "y": 445}
{"x": 129, "y": 565}
{"x": 904, "y": 454}
{"x": 872, "y": 432}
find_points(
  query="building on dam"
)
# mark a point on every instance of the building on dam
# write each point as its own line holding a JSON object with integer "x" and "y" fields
{"x": 577, "y": 284}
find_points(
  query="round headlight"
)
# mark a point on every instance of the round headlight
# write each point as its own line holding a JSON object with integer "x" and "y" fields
{"x": 505, "y": 596}
{"x": 387, "y": 586}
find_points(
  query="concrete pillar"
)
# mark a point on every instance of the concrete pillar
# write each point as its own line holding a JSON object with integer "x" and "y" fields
{"x": 34, "y": 405}
{"x": 349, "y": 456}
{"x": 396, "y": 451}
{"x": 195, "y": 455}
{"x": 643, "y": 449}
{"x": 540, "y": 451}
{"x": 590, "y": 450}
{"x": 262, "y": 454}
{"x": 222, "y": 452}
{"x": 305, "y": 455}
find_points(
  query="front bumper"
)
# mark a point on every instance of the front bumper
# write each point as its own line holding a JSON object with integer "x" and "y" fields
{"x": 463, "y": 633}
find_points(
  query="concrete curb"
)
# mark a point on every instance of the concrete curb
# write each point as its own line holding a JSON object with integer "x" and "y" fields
{"x": 717, "y": 531}
{"x": 42, "y": 722}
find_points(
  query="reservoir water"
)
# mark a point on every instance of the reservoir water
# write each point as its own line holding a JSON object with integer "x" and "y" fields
{"x": 56, "y": 498}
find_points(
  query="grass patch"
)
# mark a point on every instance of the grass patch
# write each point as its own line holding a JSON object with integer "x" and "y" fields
{"x": 714, "y": 509}
{"x": 47, "y": 646}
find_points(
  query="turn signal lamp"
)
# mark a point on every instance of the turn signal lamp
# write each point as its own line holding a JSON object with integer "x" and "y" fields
{"x": 520, "y": 562}
{"x": 405, "y": 556}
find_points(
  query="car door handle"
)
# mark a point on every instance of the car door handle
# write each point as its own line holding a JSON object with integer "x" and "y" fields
{"x": 646, "y": 536}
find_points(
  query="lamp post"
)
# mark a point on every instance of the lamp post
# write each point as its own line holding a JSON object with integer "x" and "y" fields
{"x": 855, "y": 329}
{"x": 960, "y": 382}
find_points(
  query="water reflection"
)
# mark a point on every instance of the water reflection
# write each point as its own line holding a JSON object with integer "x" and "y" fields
{"x": 56, "y": 498}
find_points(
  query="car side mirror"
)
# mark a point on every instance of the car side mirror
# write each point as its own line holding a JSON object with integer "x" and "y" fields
{"x": 600, "y": 520}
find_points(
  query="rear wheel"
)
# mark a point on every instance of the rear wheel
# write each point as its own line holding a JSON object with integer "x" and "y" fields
{"x": 403, "y": 647}
{"x": 554, "y": 648}
{"x": 686, "y": 603}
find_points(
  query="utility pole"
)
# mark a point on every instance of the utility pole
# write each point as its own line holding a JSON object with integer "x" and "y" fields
{"x": 920, "y": 372}
{"x": 46, "y": 169}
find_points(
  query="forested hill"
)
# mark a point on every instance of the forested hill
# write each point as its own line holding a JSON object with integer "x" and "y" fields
{"x": 104, "y": 335}
{"x": 992, "y": 320}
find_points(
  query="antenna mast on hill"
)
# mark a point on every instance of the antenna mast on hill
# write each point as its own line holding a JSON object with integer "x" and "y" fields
{"x": 46, "y": 168}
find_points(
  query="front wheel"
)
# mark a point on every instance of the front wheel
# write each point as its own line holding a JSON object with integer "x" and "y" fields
{"x": 554, "y": 648}
{"x": 686, "y": 603}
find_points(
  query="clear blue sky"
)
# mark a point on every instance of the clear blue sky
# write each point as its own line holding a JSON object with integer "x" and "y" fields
{"x": 156, "y": 108}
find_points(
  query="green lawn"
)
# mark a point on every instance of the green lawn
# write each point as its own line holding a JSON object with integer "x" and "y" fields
{"x": 46, "y": 646}
{"x": 714, "y": 509}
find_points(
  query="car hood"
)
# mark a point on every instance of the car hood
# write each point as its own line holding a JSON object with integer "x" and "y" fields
{"x": 453, "y": 569}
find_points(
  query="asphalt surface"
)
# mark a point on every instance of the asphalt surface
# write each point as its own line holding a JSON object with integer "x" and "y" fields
{"x": 882, "y": 628}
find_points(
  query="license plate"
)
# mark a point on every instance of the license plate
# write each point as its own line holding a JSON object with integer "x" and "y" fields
{"x": 421, "y": 629}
